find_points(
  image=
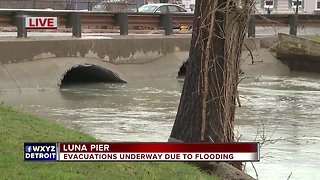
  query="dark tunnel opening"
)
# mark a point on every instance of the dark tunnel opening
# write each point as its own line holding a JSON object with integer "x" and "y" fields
{"x": 183, "y": 69}
{"x": 82, "y": 74}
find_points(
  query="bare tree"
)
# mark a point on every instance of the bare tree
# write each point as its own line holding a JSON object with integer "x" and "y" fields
{"x": 207, "y": 106}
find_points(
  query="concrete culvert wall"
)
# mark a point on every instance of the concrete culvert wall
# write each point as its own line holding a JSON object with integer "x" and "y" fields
{"x": 49, "y": 73}
{"x": 264, "y": 62}
{"x": 89, "y": 73}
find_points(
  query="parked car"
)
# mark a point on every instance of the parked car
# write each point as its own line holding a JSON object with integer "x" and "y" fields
{"x": 161, "y": 8}
{"x": 165, "y": 8}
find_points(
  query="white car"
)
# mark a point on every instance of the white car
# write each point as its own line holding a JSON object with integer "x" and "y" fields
{"x": 161, "y": 8}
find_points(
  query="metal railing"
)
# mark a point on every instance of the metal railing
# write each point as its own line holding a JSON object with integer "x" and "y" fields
{"x": 125, "y": 21}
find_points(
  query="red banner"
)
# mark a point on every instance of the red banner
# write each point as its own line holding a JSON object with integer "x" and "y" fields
{"x": 158, "y": 147}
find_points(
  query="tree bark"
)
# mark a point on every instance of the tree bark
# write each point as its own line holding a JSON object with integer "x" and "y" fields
{"x": 207, "y": 106}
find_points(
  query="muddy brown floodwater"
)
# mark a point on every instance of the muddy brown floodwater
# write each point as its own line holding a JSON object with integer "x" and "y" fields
{"x": 281, "y": 111}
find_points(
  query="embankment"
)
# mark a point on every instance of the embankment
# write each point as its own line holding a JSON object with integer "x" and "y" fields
{"x": 17, "y": 127}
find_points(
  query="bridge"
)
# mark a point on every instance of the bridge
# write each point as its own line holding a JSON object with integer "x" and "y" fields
{"x": 76, "y": 20}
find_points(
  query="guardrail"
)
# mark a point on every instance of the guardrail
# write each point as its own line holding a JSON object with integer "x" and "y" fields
{"x": 291, "y": 20}
{"x": 125, "y": 21}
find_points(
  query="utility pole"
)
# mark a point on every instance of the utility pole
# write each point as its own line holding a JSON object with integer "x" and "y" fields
{"x": 294, "y": 20}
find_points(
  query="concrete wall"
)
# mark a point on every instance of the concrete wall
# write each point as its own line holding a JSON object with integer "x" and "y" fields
{"x": 42, "y": 64}
{"x": 44, "y": 74}
{"x": 310, "y": 6}
{"x": 120, "y": 50}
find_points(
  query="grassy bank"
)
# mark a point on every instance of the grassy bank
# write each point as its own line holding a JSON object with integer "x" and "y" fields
{"x": 17, "y": 127}
{"x": 315, "y": 38}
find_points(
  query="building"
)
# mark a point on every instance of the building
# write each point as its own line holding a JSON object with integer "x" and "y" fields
{"x": 264, "y": 6}
{"x": 287, "y": 6}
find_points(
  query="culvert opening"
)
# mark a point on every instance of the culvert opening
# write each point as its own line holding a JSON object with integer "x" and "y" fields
{"x": 183, "y": 69}
{"x": 88, "y": 73}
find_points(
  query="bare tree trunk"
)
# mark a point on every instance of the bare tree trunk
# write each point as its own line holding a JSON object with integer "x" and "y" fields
{"x": 207, "y": 106}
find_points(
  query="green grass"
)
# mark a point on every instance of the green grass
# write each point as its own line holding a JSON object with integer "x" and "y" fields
{"x": 315, "y": 38}
{"x": 17, "y": 127}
